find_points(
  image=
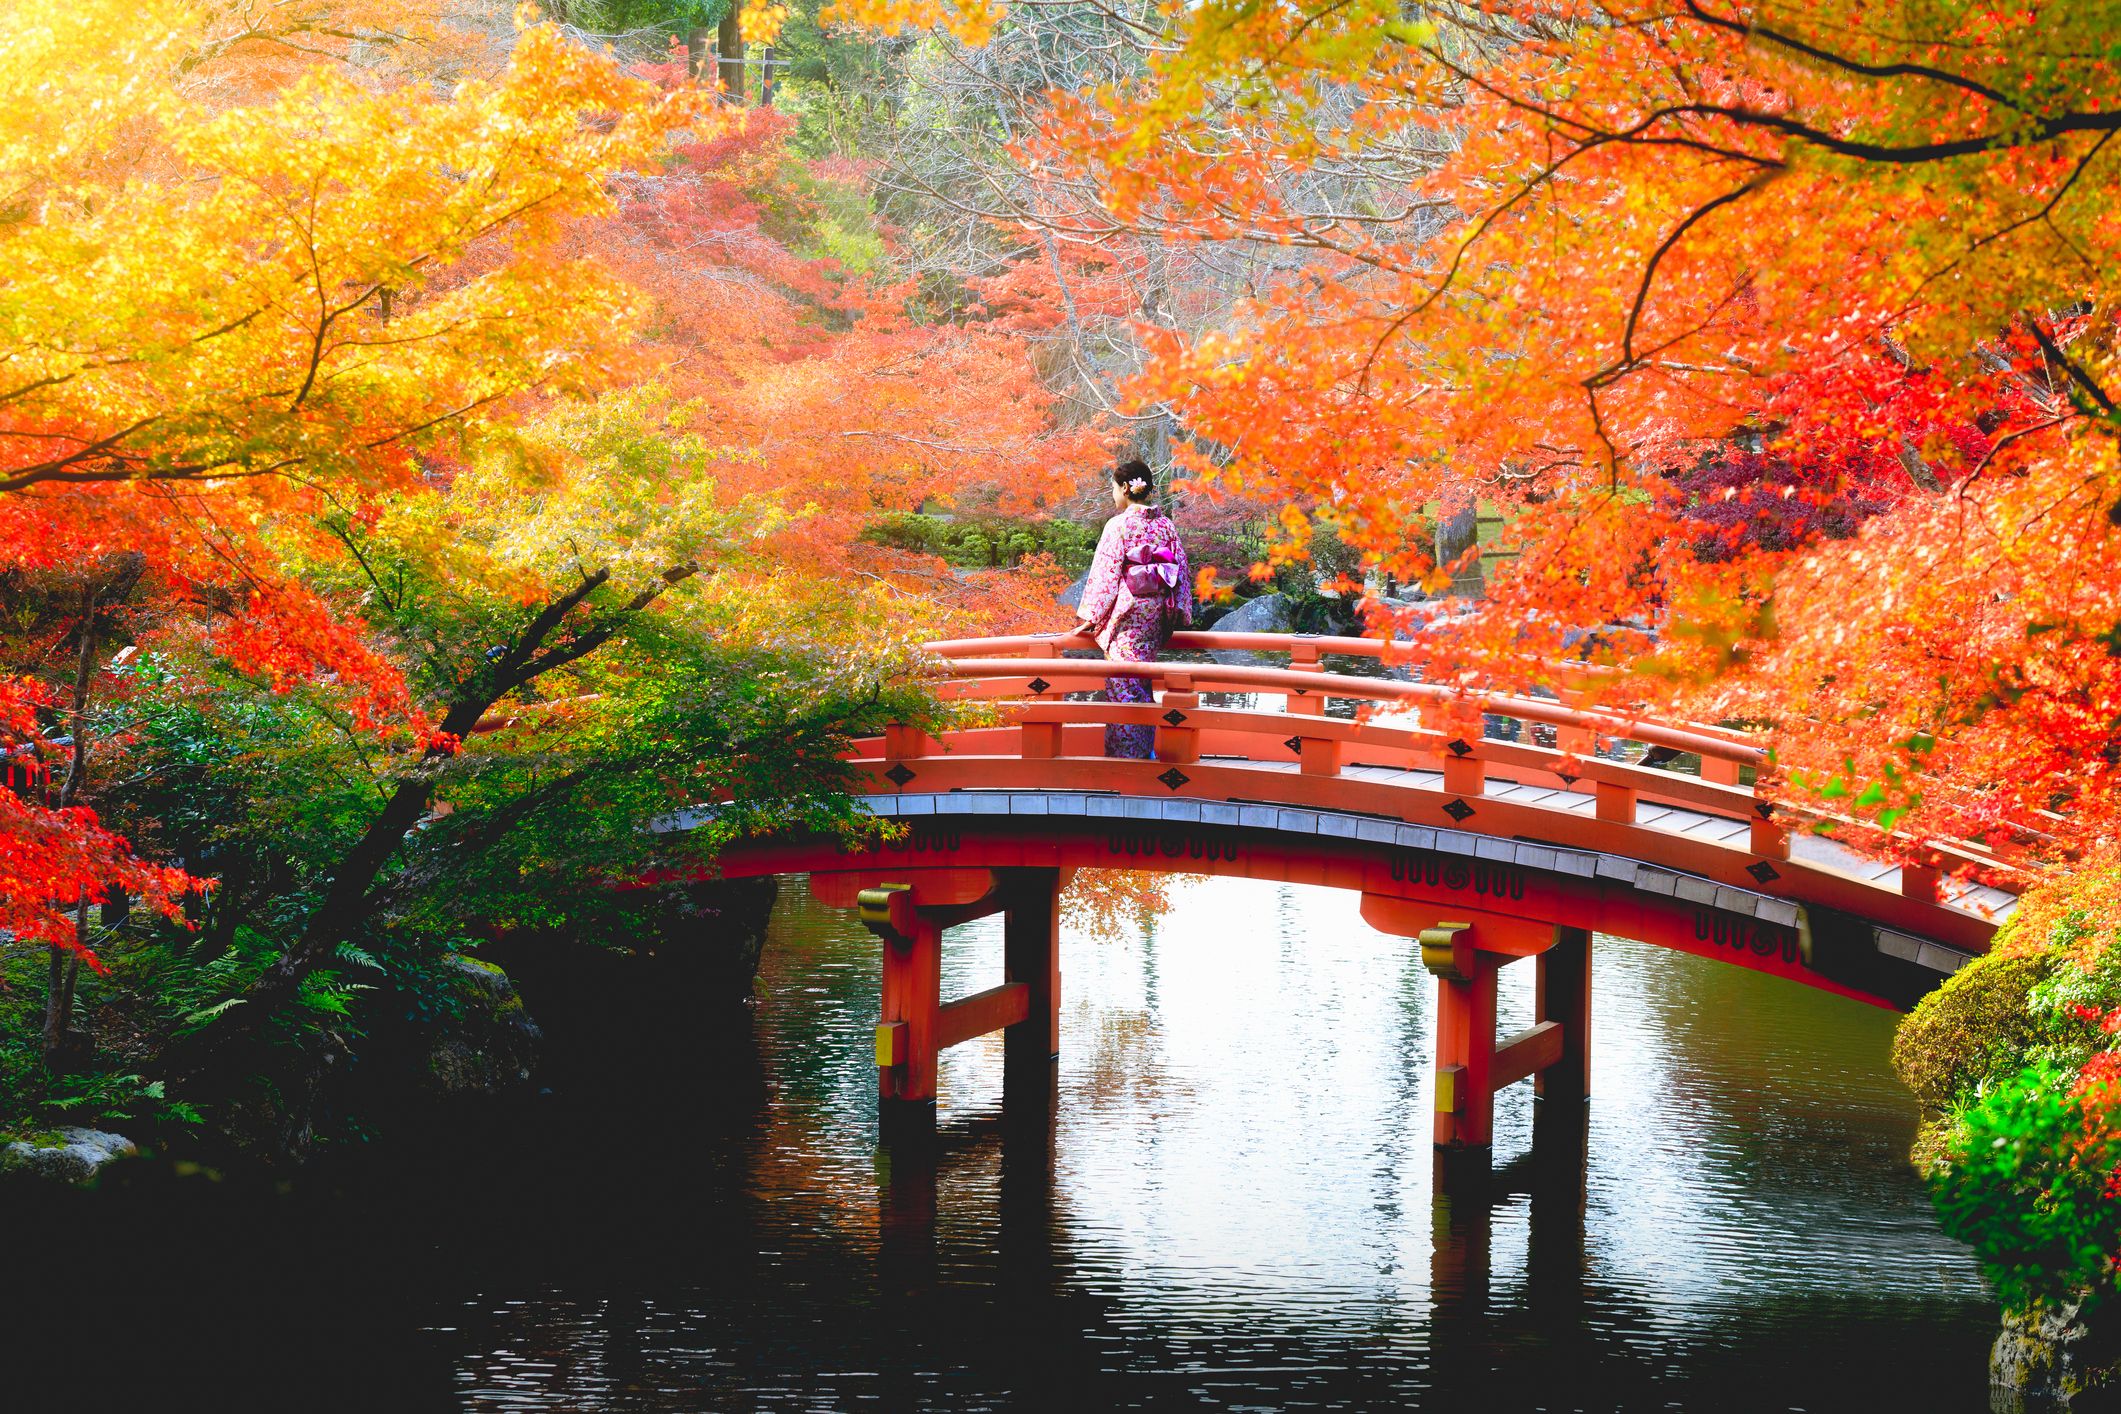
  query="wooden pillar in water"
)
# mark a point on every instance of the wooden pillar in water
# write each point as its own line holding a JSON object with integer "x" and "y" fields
{"x": 915, "y": 1024}
{"x": 1465, "y": 1036}
{"x": 1564, "y": 989}
{"x": 906, "y": 1030}
{"x": 1031, "y": 956}
{"x": 1471, "y": 1062}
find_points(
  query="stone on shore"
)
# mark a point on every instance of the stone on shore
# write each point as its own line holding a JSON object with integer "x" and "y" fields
{"x": 492, "y": 1045}
{"x": 1269, "y": 613}
{"x": 2053, "y": 1359}
{"x": 71, "y": 1155}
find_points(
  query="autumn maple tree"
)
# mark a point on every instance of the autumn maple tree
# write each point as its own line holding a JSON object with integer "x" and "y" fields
{"x": 1781, "y": 332}
{"x": 222, "y": 318}
{"x": 1782, "y": 336}
{"x": 433, "y": 448}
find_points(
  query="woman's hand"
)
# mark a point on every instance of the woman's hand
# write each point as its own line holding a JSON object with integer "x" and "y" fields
{"x": 1084, "y": 627}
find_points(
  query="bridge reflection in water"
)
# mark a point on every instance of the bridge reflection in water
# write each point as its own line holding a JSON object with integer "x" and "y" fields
{"x": 1236, "y": 1195}
{"x": 1235, "y": 1201}
{"x": 1467, "y": 1188}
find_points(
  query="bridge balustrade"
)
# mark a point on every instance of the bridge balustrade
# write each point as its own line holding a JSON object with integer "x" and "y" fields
{"x": 1391, "y": 787}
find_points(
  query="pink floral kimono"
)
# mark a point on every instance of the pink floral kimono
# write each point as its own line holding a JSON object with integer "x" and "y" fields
{"x": 1140, "y": 589}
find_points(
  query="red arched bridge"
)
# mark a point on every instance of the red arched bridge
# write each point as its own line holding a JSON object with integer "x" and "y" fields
{"x": 1488, "y": 827}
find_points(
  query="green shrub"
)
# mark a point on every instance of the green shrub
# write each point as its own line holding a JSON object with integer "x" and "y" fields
{"x": 987, "y": 542}
{"x": 2026, "y": 1184}
{"x": 2011, "y": 1061}
{"x": 1974, "y": 1030}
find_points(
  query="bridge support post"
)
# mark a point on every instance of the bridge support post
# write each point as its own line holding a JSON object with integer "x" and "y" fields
{"x": 915, "y": 1025}
{"x": 1303, "y": 658}
{"x": 1471, "y": 1063}
{"x": 1465, "y": 1035}
{"x": 1175, "y": 741}
{"x": 912, "y": 998}
{"x": 1031, "y": 957}
{"x": 1564, "y": 991}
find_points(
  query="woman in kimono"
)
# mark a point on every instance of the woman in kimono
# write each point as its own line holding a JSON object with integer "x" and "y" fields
{"x": 1139, "y": 590}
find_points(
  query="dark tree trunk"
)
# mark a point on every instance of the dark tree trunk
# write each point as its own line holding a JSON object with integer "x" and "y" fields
{"x": 1457, "y": 531}
{"x": 729, "y": 43}
{"x": 59, "y": 990}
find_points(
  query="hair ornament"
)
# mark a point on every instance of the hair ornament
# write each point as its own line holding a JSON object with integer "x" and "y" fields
{"x": 1137, "y": 484}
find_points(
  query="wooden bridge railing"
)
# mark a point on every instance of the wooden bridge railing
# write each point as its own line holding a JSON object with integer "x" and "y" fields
{"x": 1447, "y": 731}
{"x": 1348, "y": 798}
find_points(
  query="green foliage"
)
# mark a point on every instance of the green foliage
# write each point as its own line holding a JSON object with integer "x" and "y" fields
{"x": 631, "y": 16}
{"x": 2011, "y": 1058}
{"x": 742, "y": 686}
{"x": 2078, "y": 987}
{"x": 1970, "y": 1032}
{"x": 987, "y": 543}
{"x": 102, "y": 1096}
{"x": 2027, "y": 1185}
{"x": 841, "y": 85}
{"x": 837, "y": 221}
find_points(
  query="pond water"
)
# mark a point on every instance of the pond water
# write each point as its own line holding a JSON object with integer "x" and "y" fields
{"x": 1232, "y": 1203}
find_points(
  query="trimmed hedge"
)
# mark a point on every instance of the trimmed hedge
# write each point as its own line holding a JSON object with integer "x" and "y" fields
{"x": 1972, "y": 1031}
{"x": 986, "y": 543}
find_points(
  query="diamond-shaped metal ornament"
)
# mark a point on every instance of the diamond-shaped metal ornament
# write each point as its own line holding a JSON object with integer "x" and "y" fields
{"x": 1175, "y": 717}
{"x": 1763, "y": 871}
{"x": 1567, "y": 779}
{"x": 1295, "y": 744}
{"x": 1458, "y": 810}
{"x": 899, "y": 774}
{"x": 1040, "y": 685}
{"x": 1765, "y": 809}
{"x": 1174, "y": 778}
{"x": 1460, "y": 747}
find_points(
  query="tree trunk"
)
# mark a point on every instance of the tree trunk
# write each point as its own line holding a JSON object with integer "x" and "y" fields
{"x": 58, "y": 991}
{"x": 111, "y": 584}
{"x": 348, "y": 902}
{"x": 729, "y": 42}
{"x": 1457, "y": 531}
{"x": 54, "y": 1022}
{"x": 73, "y": 966}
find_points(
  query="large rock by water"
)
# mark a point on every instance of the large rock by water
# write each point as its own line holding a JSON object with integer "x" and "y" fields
{"x": 491, "y": 1045}
{"x": 71, "y": 1155}
{"x": 1072, "y": 596}
{"x": 2057, "y": 1357}
{"x": 710, "y": 936}
{"x": 1269, "y": 613}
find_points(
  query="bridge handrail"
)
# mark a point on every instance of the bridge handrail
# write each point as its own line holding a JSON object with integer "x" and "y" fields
{"x": 1239, "y": 677}
{"x": 1043, "y": 647}
{"x": 1185, "y": 641}
{"x": 1010, "y": 678}
{"x": 1307, "y": 646}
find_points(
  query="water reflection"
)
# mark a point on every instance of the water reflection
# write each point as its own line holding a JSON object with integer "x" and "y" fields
{"x": 1234, "y": 1198}
{"x": 1227, "y": 1201}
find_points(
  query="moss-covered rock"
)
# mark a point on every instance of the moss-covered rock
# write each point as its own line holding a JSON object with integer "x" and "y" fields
{"x": 70, "y": 1155}
{"x": 2058, "y": 1356}
{"x": 491, "y": 1044}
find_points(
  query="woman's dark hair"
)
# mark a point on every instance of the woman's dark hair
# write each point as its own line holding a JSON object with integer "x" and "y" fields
{"x": 1137, "y": 478}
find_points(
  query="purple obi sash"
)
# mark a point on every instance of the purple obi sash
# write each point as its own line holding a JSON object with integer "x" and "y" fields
{"x": 1155, "y": 575}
